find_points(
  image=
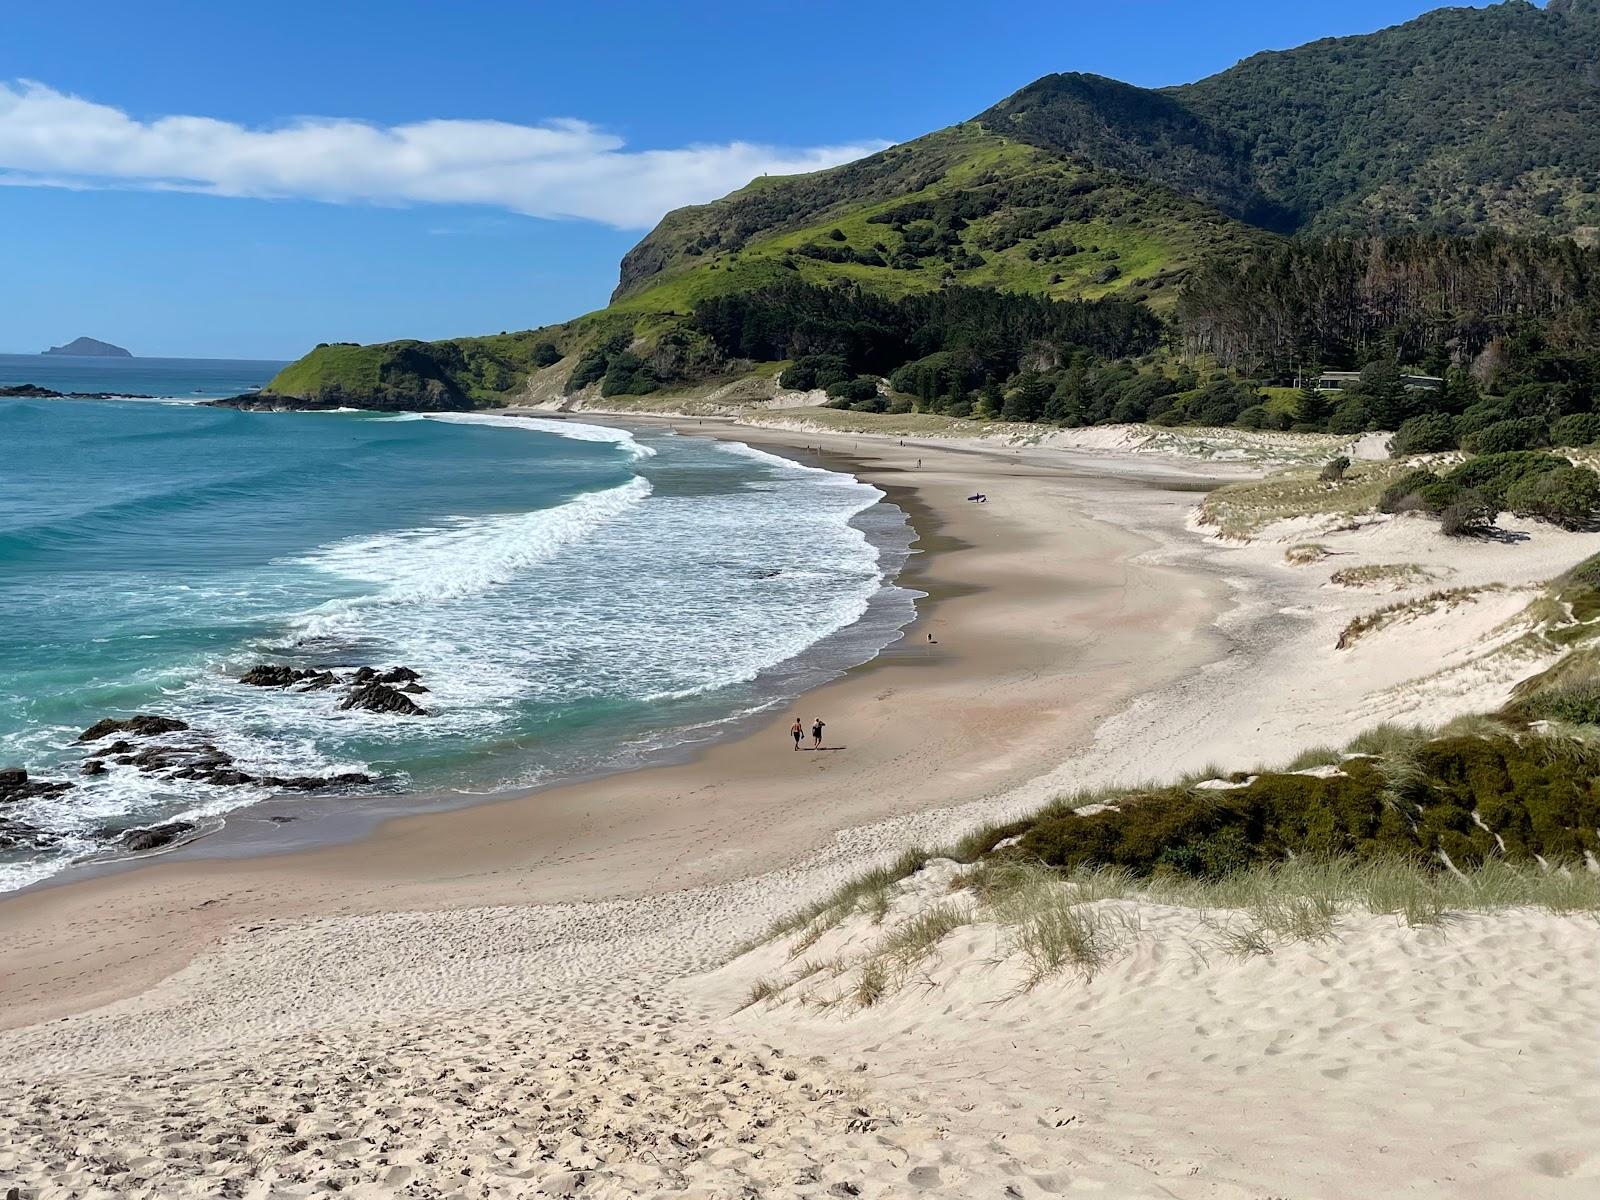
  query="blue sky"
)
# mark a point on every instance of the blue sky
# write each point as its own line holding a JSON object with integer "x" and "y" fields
{"x": 367, "y": 171}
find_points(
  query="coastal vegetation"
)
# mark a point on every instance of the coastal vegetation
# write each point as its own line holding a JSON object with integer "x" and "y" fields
{"x": 1485, "y": 813}
{"x": 1457, "y": 250}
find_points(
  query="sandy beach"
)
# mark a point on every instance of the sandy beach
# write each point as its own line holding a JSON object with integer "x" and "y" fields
{"x": 503, "y": 1000}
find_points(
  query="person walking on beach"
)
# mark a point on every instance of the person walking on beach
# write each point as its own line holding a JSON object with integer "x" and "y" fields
{"x": 797, "y": 731}
{"x": 816, "y": 733}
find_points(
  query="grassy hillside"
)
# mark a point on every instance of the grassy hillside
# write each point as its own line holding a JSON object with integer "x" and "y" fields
{"x": 1080, "y": 187}
{"x": 963, "y": 205}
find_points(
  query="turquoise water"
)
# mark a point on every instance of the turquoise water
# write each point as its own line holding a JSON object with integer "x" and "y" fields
{"x": 185, "y": 378}
{"x": 576, "y": 599}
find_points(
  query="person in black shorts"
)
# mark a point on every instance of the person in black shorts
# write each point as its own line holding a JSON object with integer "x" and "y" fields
{"x": 816, "y": 733}
{"x": 797, "y": 731}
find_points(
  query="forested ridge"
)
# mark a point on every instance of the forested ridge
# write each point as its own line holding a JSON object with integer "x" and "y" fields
{"x": 1439, "y": 179}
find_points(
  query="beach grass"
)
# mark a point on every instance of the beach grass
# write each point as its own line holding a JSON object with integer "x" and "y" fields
{"x": 1080, "y": 922}
{"x": 1242, "y": 510}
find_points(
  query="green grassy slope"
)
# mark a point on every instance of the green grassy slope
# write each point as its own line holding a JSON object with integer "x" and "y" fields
{"x": 963, "y": 205}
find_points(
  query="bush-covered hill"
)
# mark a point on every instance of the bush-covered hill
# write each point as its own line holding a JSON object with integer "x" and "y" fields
{"x": 1462, "y": 119}
{"x": 1080, "y": 187}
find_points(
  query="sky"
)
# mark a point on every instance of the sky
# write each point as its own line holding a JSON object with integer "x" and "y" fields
{"x": 224, "y": 180}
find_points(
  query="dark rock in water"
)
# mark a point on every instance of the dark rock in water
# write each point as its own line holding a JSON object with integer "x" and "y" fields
{"x": 19, "y": 835}
{"x": 120, "y": 746}
{"x": 16, "y": 785}
{"x": 315, "y": 783}
{"x": 158, "y": 758}
{"x": 228, "y": 777}
{"x": 399, "y": 675}
{"x": 155, "y": 836}
{"x": 32, "y": 391}
{"x": 381, "y": 698}
{"x": 319, "y": 681}
{"x": 272, "y": 675}
{"x": 143, "y": 725}
{"x": 414, "y": 689}
{"x": 93, "y": 767}
{"x": 364, "y": 675}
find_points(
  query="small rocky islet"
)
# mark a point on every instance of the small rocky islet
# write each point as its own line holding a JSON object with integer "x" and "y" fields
{"x": 144, "y": 742}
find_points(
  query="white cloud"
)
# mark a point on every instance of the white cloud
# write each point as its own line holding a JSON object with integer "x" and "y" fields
{"x": 561, "y": 168}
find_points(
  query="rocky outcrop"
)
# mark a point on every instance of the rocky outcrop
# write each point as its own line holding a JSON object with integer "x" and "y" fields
{"x": 32, "y": 391}
{"x": 371, "y": 689}
{"x": 15, "y": 785}
{"x": 269, "y": 675}
{"x": 143, "y": 725}
{"x": 381, "y": 698}
{"x": 154, "y": 837}
{"x": 315, "y": 783}
{"x": 19, "y": 835}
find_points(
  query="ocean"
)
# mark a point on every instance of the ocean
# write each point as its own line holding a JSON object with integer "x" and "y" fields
{"x": 575, "y": 599}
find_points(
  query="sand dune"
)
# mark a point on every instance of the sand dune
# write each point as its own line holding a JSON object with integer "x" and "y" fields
{"x": 1443, "y": 1061}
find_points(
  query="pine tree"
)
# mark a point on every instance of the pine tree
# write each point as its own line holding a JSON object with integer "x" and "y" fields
{"x": 1310, "y": 406}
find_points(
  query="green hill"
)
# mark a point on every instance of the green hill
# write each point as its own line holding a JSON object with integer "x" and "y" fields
{"x": 1081, "y": 187}
{"x": 1461, "y": 120}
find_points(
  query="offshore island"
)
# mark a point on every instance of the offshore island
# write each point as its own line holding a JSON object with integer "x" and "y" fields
{"x": 88, "y": 347}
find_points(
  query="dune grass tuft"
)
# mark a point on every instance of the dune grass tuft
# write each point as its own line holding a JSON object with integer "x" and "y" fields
{"x": 919, "y": 936}
{"x": 762, "y": 990}
{"x": 873, "y": 983}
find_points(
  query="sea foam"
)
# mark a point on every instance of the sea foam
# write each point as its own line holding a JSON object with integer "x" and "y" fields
{"x": 575, "y": 430}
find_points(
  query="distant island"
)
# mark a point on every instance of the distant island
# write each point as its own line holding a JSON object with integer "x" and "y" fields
{"x": 88, "y": 347}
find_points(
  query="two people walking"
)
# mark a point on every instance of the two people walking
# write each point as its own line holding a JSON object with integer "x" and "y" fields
{"x": 798, "y": 731}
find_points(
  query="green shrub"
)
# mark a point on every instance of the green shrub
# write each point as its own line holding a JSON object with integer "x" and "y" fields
{"x": 1482, "y": 415}
{"x": 628, "y": 375}
{"x": 1439, "y": 495}
{"x": 1468, "y": 515}
{"x": 545, "y": 354}
{"x": 589, "y": 369}
{"x": 1566, "y": 496}
{"x": 855, "y": 393}
{"x": 1539, "y": 802}
{"x": 1350, "y": 417}
{"x": 1522, "y": 433}
{"x": 815, "y": 371}
{"x": 1492, "y": 475}
{"x": 1577, "y": 703}
{"x": 1333, "y": 470}
{"x": 1403, "y": 494}
{"x": 1579, "y": 429}
{"x": 1585, "y": 574}
{"x": 1425, "y": 434}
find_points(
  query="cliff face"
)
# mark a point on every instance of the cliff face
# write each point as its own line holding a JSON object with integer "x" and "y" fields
{"x": 88, "y": 347}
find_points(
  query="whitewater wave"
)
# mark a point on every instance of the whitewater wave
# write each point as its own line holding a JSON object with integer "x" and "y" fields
{"x": 470, "y": 555}
{"x": 575, "y": 430}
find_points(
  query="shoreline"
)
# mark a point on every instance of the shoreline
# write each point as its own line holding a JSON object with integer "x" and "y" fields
{"x": 287, "y": 824}
{"x": 998, "y": 705}
{"x": 538, "y": 990}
